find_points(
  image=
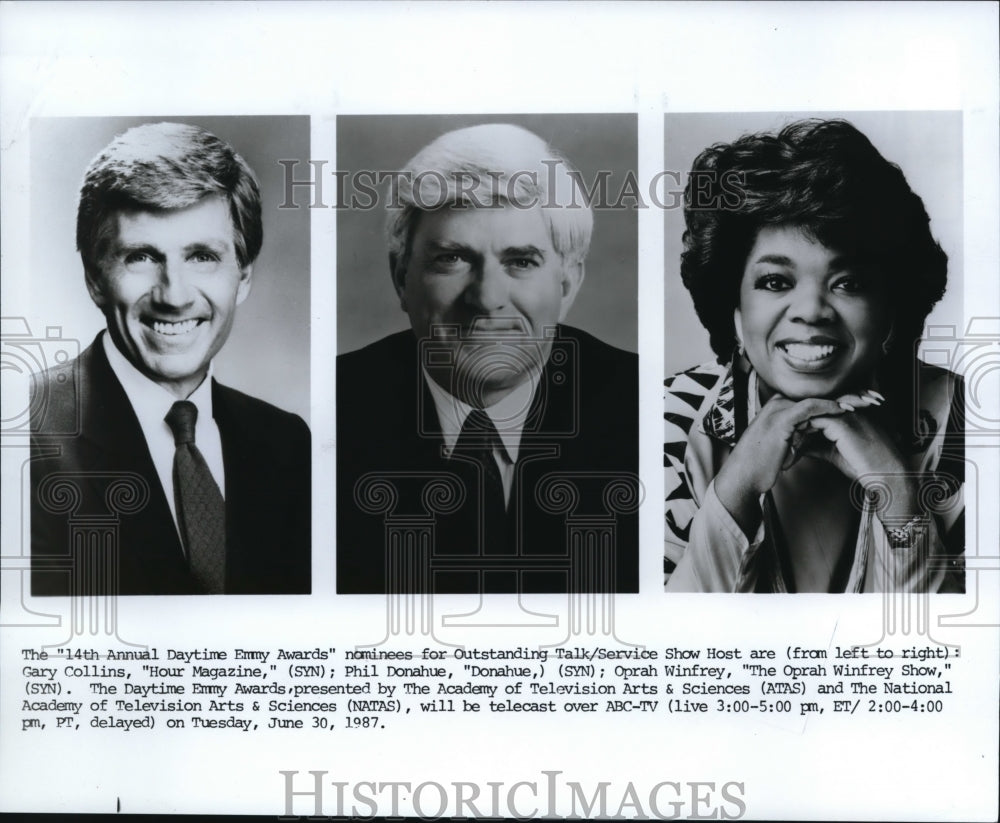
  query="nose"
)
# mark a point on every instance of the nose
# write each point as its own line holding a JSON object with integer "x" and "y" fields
{"x": 172, "y": 287}
{"x": 810, "y": 304}
{"x": 489, "y": 290}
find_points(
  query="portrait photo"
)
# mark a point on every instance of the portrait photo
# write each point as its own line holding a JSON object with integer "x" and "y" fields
{"x": 487, "y": 386}
{"x": 811, "y": 445}
{"x": 170, "y": 440}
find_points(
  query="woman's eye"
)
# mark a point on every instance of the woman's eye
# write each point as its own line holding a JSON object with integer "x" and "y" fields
{"x": 850, "y": 285}
{"x": 771, "y": 282}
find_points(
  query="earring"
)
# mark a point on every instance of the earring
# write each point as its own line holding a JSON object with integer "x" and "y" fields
{"x": 887, "y": 343}
{"x": 738, "y": 332}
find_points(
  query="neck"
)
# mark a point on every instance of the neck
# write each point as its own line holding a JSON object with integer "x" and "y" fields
{"x": 473, "y": 393}
{"x": 181, "y": 388}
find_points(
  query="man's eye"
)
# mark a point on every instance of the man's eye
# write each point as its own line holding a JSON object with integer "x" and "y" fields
{"x": 448, "y": 261}
{"x": 136, "y": 258}
{"x": 204, "y": 257}
{"x": 771, "y": 282}
{"x": 522, "y": 263}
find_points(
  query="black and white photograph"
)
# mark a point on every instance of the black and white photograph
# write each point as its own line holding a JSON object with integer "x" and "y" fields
{"x": 158, "y": 467}
{"x": 801, "y": 454}
{"x": 471, "y": 345}
{"x": 503, "y": 403}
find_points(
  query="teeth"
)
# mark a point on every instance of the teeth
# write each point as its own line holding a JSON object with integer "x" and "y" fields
{"x": 808, "y": 351}
{"x": 183, "y": 327}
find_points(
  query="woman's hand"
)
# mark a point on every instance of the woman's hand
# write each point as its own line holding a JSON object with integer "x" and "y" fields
{"x": 860, "y": 448}
{"x": 768, "y": 446}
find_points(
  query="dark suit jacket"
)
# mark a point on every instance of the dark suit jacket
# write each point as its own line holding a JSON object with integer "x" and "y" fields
{"x": 95, "y": 492}
{"x": 574, "y": 497}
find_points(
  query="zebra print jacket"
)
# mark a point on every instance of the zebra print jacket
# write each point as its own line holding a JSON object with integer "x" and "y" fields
{"x": 705, "y": 549}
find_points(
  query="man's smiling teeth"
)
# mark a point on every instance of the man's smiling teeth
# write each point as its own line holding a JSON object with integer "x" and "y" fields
{"x": 182, "y": 327}
{"x": 808, "y": 351}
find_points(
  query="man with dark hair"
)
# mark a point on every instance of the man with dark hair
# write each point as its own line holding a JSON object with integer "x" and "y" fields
{"x": 489, "y": 447}
{"x": 148, "y": 476}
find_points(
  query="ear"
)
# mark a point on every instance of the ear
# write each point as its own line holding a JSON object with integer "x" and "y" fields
{"x": 95, "y": 286}
{"x": 738, "y": 326}
{"x": 397, "y": 271}
{"x": 572, "y": 279}
{"x": 245, "y": 284}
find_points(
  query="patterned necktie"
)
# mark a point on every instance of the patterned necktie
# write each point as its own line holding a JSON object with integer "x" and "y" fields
{"x": 201, "y": 511}
{"x": 477, "y": 442}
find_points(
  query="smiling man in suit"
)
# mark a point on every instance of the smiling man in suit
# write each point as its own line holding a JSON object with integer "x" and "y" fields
{"x": 462, "y": 440}
{"x": 172, "y": 483}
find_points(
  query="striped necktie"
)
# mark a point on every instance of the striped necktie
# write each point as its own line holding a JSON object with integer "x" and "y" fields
{"x": 201, "y": 511}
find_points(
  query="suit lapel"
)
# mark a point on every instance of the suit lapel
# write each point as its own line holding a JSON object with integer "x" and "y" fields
{"x": 238, "y": 457}
{"x": 249, "y": 459}
{"x": 415, "y": 414}
{"x": 108, "y": 420}
{"x": 110, "y": 429}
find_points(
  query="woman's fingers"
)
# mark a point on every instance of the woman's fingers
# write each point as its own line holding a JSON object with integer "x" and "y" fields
{"x": 860, "y": 400}
{"x": 858, "y": 446}
{"x": 770, "y": 443}
{"x": 805, "y": 410}
{"x": 795, "y": 419}
{"x": 781, "y": 433}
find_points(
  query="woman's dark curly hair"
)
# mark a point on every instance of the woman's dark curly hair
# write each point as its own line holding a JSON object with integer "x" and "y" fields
{"x": 825, "y": 177}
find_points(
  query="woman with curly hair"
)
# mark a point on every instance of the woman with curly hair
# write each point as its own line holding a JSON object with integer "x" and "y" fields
{"x": 818, "y": 454}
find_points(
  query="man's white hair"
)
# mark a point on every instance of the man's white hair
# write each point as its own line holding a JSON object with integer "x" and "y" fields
{"x": 492, "y": 165}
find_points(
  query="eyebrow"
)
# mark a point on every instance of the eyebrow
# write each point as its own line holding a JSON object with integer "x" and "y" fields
{"x": 206, "y": 245}
{"x": 123, "y": 248}
{"x": 523, "y": 251}
{"x": 197, "y": 245}
{"x": 529, "y": 250}
{"x": 447, "y": 245}
{"x": 776, "y": 259}
{"x": 837, "y": 264}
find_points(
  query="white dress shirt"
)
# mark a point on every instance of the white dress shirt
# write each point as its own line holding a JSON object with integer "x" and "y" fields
{"x": 508, "y": 415}
{"x": 151, "y": 402}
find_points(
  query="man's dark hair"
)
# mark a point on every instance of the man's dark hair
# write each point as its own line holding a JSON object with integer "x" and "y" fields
{"x": 162, "y": 166}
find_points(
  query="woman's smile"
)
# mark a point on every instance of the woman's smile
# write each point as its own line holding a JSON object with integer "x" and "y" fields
{"x": 812, "y": 354}
{"x": 811, "y": 321}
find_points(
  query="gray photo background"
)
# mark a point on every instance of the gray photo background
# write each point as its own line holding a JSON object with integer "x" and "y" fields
{"x": 926, "y": 145}
{"x": 367, "y": 306}
{"x": 267, "y": 354}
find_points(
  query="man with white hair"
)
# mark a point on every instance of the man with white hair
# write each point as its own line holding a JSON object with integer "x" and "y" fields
{"x": 477, "y": 418}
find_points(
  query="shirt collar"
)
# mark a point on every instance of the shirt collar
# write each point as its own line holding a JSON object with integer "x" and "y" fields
{"x": 150, "y": 400}
{"x": 508, "y": 414}
{"x": 720, "y": 421}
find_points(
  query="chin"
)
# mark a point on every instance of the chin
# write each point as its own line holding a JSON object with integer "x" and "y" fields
{"x": 803, "y": 389}
{"x": 177, "y": 371}
{"x": 484, "y": 387}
